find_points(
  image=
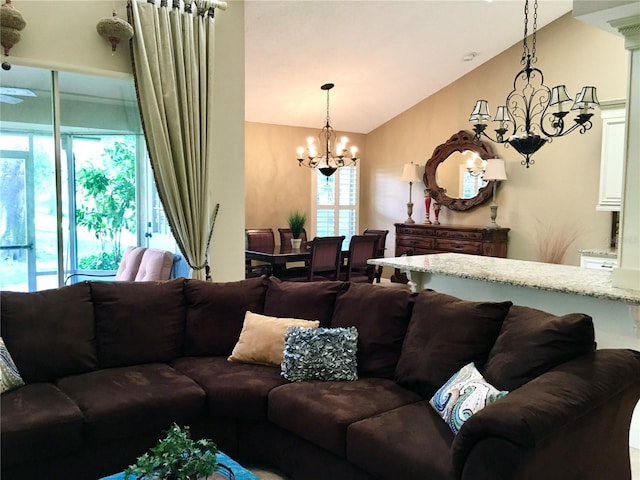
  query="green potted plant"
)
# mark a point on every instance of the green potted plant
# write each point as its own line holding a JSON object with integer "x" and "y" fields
{"x": 178, "y": 457}
{"x": 296, "y": 221}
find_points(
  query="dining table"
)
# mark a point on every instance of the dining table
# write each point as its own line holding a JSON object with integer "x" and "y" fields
{"x": 280, "y": 255}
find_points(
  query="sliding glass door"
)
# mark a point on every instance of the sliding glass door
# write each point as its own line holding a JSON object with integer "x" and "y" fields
{"x": 74, "y": 209}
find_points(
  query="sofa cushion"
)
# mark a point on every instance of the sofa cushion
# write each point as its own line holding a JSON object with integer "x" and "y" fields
{"x": 49, "y": 333}
{"x": 306, "y": 300}
{"x": 410, "y": 443}
{"x": 444, "y": 334}
{"x": 38, "y": 421}
{"x": 463, "y": 395}
{"x": 320, "y": 412}
{"x": 262, "y": 338}
{"x": 532, "y": 341}
{"x": 234, "y": 390}
{"x": 381, "y": 329}
{"x": 320, "y": 354}
{"x": 138, "y": 322}
{"x": 215, "y": 312}
{"x": 9, "y": 375}
{"x": 131, "y": 401}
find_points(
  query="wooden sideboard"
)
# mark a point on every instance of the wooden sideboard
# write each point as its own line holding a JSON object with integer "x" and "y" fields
{"x": 422, "y": 239}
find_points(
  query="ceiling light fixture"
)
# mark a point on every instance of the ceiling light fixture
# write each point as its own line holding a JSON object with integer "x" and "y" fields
{"x": 528, "y": 107}
{"x": 328, "y": 161}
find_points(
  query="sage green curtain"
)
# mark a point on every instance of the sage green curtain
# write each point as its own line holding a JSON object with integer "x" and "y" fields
{"x": 173, "y": 53}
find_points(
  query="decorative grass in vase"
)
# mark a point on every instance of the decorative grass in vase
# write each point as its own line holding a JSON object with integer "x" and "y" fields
{"x": 297, "y": 221}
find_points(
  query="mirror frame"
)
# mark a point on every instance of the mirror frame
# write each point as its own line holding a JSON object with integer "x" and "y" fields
{"x": 459, "y": 142}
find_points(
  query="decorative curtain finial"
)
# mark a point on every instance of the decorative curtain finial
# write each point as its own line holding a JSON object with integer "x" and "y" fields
{"x": 11, "y": 22}
{"x": 114, "y": 29}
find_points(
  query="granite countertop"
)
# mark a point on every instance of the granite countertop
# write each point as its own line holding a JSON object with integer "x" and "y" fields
{"x": 543, "y": 276}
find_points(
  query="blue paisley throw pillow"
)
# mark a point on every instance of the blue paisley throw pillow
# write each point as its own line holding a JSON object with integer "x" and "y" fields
{"x": 465, "y": 393}
{"x": 320, "y": 354}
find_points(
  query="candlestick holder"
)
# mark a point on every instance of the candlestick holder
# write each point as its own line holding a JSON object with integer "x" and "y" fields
{"x": 427, "y": 206}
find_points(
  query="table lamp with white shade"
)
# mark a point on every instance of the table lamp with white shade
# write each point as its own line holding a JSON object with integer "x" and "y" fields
{"x": 410, "y": 174}
{"x": 494, "y": 172}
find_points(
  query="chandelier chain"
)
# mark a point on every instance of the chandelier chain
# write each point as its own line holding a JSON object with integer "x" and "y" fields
{"x": 530, "y": 55}
{"x": 535, "y": 29}
{"x": 328, "y": 122}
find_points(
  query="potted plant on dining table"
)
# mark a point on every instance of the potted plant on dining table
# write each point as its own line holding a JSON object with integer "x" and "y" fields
{"x": 296, "y": 221}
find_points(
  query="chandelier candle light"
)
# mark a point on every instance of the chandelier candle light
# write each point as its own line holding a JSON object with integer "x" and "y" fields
{"x": 335, "y": 154}
{"x": 495, "y": 172}
{"x": 475, "y": 164}
{"x": 410, "y": 174}
{"x": 535, "y": 112}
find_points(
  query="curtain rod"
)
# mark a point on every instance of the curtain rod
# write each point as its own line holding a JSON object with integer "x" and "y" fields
{"x": 214, "y": 4}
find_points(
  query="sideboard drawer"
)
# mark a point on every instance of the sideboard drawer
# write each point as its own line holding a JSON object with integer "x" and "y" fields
{"x": 413, "y": 242}
{"x": 465, "y": 235}
{"x": 412, "y": 230}
{"x": 458, "y": 246}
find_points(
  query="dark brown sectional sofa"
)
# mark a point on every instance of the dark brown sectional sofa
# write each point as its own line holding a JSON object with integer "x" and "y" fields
{"x": 109, "y": 366}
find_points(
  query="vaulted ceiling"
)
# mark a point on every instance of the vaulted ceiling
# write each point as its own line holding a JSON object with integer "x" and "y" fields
{"x": 383, "y": 56}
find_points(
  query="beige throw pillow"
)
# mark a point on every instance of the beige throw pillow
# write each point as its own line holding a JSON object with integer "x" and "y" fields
{"x": 262, "y": 338}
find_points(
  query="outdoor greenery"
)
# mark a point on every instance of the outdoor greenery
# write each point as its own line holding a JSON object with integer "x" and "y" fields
{"x": 177, "y": 457}
{"x": 297, "y": 221}
{"x": 106, "y": 202}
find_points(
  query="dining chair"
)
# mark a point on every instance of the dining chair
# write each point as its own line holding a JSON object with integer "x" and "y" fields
{"x": 285, "y": 240}
{"x": 261, "y": 239}
{"x": 326, "y": 257}
{"x": 286, "y": 236}
{"x": 382, "y": 240}
{"x": 361, "y": 249}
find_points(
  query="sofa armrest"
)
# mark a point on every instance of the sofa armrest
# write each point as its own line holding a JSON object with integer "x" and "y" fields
{"x": 557, "y": 402}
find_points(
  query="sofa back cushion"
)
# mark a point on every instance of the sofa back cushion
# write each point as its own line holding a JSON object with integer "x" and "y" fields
{"x": 304, "y": 300}
{"x": 216, "y": 311}
{"x": 138, "y": 322}
{"x": 381, "y": 315}
{"x": 50, "y": 333}
{"x": 532, "y": 341}
{"x": 445, "y": 334}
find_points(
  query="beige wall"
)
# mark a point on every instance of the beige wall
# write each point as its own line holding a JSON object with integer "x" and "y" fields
{"x": 274, "y": 183}
{"x": 554, "y": 197}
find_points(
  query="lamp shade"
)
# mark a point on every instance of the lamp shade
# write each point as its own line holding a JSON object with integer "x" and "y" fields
{"x": 495, "y": 170}
{"x": 559, "y": 95}
{"x": 411, "y": 173}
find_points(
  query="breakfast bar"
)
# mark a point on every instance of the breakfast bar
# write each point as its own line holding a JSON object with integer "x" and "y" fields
{"x": 555, "y": 288}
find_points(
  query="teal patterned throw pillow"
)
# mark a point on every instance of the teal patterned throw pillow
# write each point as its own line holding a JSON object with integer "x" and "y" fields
{"x": 10, "y": 377}
{"x": 465, "y": 393}
{"x": 320, "y": 354}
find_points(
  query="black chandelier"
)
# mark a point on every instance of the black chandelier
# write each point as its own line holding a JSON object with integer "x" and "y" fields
{"x": 529, "y": 106}
{"x": 328, "y": 161}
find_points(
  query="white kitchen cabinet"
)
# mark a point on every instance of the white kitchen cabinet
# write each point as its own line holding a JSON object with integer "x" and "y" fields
{"x": 598, "y": 259}
{"x": 612, "y": 156}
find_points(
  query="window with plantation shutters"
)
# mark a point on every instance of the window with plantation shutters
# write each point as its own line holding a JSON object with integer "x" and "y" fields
{"x": 336, "y": 204}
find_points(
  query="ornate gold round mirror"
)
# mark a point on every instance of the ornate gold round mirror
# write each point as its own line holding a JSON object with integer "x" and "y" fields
{"x": 453, "y": 174}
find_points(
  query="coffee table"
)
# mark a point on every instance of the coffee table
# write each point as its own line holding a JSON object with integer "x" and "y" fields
{"x": 238, "y": 470}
